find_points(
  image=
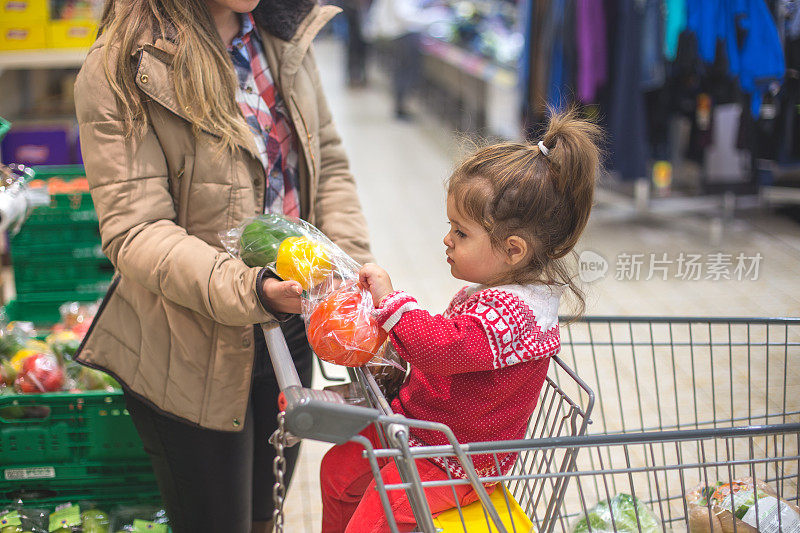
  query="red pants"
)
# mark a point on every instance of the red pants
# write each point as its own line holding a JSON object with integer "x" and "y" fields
{"x": 350, "y": 501}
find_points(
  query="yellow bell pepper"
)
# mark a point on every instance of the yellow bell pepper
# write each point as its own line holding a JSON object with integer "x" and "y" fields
{"x": 303, "y": 260}
{"x": 19, "y": 358}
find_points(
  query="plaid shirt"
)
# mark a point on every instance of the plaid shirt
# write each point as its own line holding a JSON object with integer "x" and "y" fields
{"x": 266, "y": 114}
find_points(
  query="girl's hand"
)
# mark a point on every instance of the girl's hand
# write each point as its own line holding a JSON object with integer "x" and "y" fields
{"x": 376, "y": 280}
{"x": 282, "y": 296}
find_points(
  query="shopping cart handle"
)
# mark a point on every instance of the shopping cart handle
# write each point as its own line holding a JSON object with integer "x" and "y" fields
{"x": 282, "y": 362}
{"x": 323, "y": 415}
{"x": 311, "y": 414}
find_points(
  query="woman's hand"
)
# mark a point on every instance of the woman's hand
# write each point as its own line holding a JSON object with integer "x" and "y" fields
{"x": 376, "y": 280}
{"x": 282, "y": 296}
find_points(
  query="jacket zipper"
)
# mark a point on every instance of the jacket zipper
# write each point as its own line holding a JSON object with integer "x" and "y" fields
{"x": 309, "y": 136}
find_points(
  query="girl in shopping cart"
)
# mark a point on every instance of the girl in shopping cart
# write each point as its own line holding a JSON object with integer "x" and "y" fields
{"x": 515, "y": 212}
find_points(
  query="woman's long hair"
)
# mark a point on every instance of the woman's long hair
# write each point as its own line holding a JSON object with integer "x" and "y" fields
{"x": 205, "y": 82}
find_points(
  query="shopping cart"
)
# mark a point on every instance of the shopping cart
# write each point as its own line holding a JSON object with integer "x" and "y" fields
{"x": 325, "y": 416}
{"x": 682, "y": 402}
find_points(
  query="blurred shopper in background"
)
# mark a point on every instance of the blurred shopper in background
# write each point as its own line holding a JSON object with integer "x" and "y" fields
{"x": 399, "y": 24}
{"x": 357, "y": 46}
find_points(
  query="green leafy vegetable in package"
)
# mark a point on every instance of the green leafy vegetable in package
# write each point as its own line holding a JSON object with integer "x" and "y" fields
{"x": 625, "y": 510}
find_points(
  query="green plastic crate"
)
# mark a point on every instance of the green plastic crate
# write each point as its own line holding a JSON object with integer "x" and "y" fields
{"x": 72, "y": 447}
{"x": 69, "y": 218}
{"x": 58, "y": 252}
{"x": 64, "y": 207}
{"x": 77, "y": 274}
{"x": 4, "y": 127}
{"x": 67, "y": 438}
{"x": 46, "y": 234}
{"x": 43, "y": 308}
{"x": 56, "y": 216}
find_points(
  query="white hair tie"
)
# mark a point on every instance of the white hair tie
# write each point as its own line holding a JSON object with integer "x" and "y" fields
{"x": 543, "y": 149}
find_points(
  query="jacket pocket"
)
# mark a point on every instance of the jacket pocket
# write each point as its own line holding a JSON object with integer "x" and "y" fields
{"x": 184, "y": 183}
{"x": 209, "y": 381}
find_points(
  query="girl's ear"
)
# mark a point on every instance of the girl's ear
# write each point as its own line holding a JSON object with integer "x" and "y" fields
{"x": 516, "y": 249}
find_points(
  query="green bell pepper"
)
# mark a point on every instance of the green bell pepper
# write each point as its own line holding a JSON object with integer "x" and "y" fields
{"x": 262, "y": 237}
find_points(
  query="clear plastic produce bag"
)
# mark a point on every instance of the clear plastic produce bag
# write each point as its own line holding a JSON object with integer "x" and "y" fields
{"x": 140, "y": 518}
{"x": 623, "y": 513}
{"x": 336, "y": 309}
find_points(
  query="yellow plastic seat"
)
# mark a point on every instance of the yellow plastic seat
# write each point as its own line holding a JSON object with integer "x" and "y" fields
{"x": 475, "y": 520}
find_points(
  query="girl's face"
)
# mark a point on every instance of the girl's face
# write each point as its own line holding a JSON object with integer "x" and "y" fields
{"x": 470, "y": 253}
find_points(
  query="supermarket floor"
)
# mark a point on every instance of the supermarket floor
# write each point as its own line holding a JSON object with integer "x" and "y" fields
{"x": 674, "y": 264}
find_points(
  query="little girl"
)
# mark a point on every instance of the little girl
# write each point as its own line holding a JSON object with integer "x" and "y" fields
{"x": 514, "y": 211}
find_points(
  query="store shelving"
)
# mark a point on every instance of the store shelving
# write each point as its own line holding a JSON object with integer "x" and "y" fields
{"x": 41, "y": 59}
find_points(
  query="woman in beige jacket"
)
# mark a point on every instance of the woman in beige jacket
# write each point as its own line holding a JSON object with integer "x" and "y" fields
{"x": 194, "y": 115}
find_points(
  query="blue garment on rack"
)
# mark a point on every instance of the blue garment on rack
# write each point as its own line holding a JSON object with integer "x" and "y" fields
{"x": 626, "y": 116}
{"x": 653, "y": 69}
{"x": 748, "y": 34}
{"x": 555, "y": 93}
{"x": 702, "y": 18}
{"x": 524, "y": 64}
{"x": 761, "y": 58}
{"x": 674, "y": 24}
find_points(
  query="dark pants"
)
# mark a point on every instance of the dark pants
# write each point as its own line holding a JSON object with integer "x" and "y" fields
{"x": 217, "y": 481}
{"x": 407, "y": 68}
{"x": 356, "y": 45}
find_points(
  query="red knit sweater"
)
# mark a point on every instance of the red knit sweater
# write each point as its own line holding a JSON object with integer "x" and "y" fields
{"x": 478, "y": 367}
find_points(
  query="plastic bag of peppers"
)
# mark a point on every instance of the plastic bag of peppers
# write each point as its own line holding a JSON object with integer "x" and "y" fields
{"x": 337, "y": 311}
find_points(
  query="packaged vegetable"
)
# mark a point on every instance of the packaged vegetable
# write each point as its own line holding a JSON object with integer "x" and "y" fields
{"x": 389, "y": 370}
{"x": 63, "y": 344}
{"x": 76, "y": 317}
{"x": 10, "y": 342}
{"x": 40, "y": 373}
{"x": 303, "y": 260}
{"x": 15, "y": 338}
{"x": 336, "y": 309}
{"x": 716, "y": 508}
{"x": 622, "y": 513}
{"x": 7, "y": 373}
{"x": 140, "y": 519}
{"x": 80, "y": 377}
{"x": 21, "y": 519}
{"x": 341, "y": 328}
{"x": 66, "y": 518}
{"x": 95, "y": 521}
{"x": 260, "y": 238}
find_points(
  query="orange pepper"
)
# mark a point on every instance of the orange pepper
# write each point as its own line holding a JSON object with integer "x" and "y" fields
{"x": 341, "y": 329}
{"x": 303, "y": 260}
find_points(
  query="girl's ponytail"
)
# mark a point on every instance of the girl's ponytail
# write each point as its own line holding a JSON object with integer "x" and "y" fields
{"x": 571, "y": 145}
